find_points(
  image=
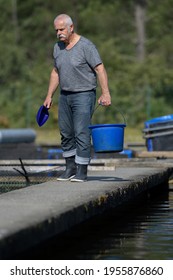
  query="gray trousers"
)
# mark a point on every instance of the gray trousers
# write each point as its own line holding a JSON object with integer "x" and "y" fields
{"x": 75, "y": 111}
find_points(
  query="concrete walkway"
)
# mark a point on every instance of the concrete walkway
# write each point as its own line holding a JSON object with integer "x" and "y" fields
{"x": 33, "y": 214}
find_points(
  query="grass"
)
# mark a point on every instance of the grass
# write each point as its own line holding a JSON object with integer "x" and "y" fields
{"x": 48, "y": 137}
{"x": 133, "y": 135}
{"x": 52, "y": 137}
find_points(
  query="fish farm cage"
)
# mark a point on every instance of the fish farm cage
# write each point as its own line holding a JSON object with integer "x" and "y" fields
{"x": 13, "y": 177}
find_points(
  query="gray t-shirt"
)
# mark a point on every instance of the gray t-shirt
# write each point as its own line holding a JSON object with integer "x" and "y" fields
{"x": 76, "y": 65}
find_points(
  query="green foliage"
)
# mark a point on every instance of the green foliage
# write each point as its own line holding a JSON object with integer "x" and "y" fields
{"x": 140, "y": 90}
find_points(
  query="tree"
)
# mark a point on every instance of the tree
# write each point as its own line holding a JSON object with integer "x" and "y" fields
{"x": 140, "y": 13}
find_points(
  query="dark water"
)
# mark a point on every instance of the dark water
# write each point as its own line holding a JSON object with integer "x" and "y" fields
{"x": 143, "y": 231}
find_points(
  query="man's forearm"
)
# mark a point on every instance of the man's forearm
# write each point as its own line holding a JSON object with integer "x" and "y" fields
{"x": 102, "y": 77}
{"x": 53, "y": 83}
{"x": 105, "y": 98}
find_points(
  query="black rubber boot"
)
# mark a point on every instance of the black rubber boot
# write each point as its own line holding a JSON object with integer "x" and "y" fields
{"x": 70, "y": 171}
{"x": 81, "y": 175}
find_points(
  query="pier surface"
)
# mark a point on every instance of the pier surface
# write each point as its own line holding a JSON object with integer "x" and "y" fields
{"x": 36, "y": 213}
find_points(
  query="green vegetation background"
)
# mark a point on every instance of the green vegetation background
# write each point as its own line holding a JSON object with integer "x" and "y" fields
{"x": 140, "y": 89}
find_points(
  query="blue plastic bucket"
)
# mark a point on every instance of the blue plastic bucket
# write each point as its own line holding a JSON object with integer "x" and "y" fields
{"x": 107, "y": 137}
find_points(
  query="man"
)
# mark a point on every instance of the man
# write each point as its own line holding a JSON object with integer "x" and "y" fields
{"x": 77, "y": 64}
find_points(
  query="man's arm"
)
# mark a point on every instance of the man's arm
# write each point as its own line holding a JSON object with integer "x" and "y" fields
{"x": 105, "y": 98}
{"x": 53, "y": 85}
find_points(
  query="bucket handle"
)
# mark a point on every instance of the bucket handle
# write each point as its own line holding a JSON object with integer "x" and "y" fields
{"x": 100, "y": 104}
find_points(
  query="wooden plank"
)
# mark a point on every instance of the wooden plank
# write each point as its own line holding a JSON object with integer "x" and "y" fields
{"x": 155, "y": 154}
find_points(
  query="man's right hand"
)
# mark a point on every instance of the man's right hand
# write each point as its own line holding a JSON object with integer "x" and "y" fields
{"x": 48, "y": 102}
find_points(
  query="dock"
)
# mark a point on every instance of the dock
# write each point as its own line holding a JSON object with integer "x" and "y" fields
{"x": 35, "y": 213}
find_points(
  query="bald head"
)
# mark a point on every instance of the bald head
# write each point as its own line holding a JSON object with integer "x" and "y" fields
{"x": 65, "y": 19}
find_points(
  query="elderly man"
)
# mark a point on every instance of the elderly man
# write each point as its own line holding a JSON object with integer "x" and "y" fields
{"x": 77, "y": 64}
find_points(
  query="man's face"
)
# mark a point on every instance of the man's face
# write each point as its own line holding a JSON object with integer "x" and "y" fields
{"x": 62, "y": 30}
